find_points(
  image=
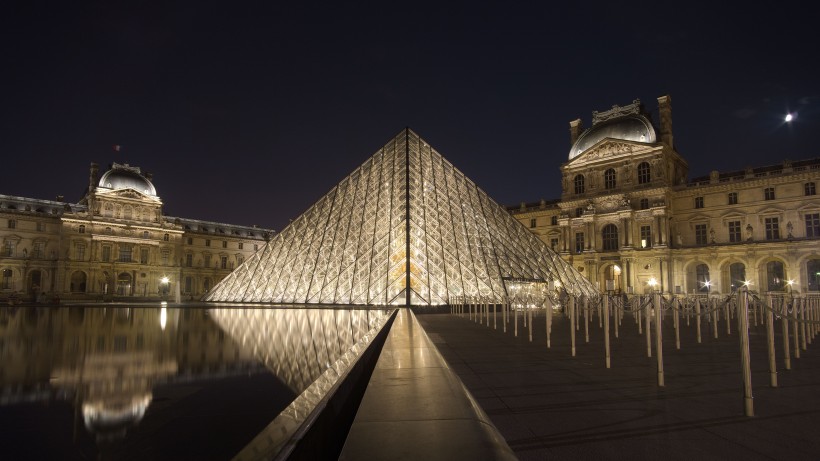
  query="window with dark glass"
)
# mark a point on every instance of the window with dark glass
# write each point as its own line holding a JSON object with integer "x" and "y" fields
{"x": 106, "y": 254}
{"x": 644, "y": 176}
{"x": 553, "y": 221}
{"x": 38, "y": 251}
{"x": 12, "y": 224}
{"x": 579, "y": 184}
{"x": 734, "y": 231}
{"x": 224, "y": 244}
{"x": 698, "y": 202}
{"x": 775, "y": 276}
{"x": 207, "y": 260}
{"x": 189, "y": 260}
{"x": 579, "y": 212}
{"x": 813, "y": 225}
{"x": 609, "y": 179}
{"x": 732, "y": 198}
{"x": 579, "y": 242}
{"x": 646, "y": 236}
{"x": 5, "y": 284}
{"x": 143, "y": 255}
{"x": 241, "y": 245}
{"x": 813, "y": 271}
{"x": 190, "y": 241}
{"x": 80, "y": 252}
{"x": 223, "y": 262}
{"x": 125, "y": 254}
{"x": 737, "y": 274}
{"x": 207, "y": 242}
{"x": 8, "y": 248}
{"x": 700, "y": 234}
{"x": 610, "y": 237}
{"x": 82, "y": 228}
{"x": 772, "y": 228}
{"x": 768, "y": 193}
{"x": 644, "y": 204}
{"x": 702, "y": 275}
{"x": 532, "y": 222}
{"x": 809, "y": 189}
{"x": 554, "y": 244}
{"x": 165, "y": 238}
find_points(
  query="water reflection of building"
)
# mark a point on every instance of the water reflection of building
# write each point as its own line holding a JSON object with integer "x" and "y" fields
{"x": 627, "y": 213}
{"x": 106, "y": 361}
{"x": 115, "y": 242}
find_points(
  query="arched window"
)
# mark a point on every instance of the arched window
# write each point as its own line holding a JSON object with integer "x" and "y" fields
{"x": 610, "y": 237}
{"x": 702, "y": 277}
{"x": 146, "y": 234}
{"x": 165, "y": 238}
{"x": 737, "y": 275}
{"x": 579, "y": 184}
{"x": 609, "y": 179}
{"x": 643, "y": 173}
{"x": 7, "y": 282}
{"x": 813, "y": 271}
{"x": 124, "y": 284}
{"x": 82, "y": 228}
{"x": 78, "y": 279}
{"x": 775, "y": 276}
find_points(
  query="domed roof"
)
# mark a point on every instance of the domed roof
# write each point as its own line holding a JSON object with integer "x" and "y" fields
{"x": 126, "y": 177}
{"x": 632, "y": 127}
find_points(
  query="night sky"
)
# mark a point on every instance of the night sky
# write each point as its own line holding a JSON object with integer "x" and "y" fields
{"x": 247, "y": 113}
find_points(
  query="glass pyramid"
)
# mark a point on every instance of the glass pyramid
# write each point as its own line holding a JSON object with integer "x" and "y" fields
{"x": 405, "y": 228}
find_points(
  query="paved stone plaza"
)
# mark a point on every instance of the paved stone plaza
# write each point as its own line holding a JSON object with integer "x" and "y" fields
{"x": 549, "y": 405}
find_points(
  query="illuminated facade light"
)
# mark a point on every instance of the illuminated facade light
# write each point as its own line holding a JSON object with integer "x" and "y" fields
{"x": 405, "y": 228}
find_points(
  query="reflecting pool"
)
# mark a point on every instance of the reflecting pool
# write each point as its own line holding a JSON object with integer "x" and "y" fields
{"x": 121, "y": 382}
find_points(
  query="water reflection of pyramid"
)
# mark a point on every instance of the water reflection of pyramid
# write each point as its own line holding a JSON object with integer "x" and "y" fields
{"x": 405, "y": 218}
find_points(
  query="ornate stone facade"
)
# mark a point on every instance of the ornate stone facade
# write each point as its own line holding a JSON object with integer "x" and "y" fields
{"x": 115, "y": 243}
{"x": 627, "y": 214}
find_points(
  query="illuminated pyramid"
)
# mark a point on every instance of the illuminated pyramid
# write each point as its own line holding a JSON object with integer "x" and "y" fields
{"x": 405, "y": 228}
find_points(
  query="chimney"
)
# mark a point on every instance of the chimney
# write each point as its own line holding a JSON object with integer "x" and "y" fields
{"x": 92, "y": 177}
{"x": 575, "y": 128}
{"x": 665, "y": 111}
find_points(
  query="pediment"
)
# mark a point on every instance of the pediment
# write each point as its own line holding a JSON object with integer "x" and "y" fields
{"x": 128, "y": 194}
{"x": 609, "y": 149}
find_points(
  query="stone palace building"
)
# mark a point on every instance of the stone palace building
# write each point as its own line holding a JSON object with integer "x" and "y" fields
{"x": 629, "y": 216}
{"x": 114, "y": 244}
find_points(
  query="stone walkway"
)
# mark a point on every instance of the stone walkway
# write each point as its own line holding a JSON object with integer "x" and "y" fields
{"x": 549, "y": 405}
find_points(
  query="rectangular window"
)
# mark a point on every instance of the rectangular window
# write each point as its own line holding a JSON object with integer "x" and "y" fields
{"x": 106, "y": 254}
{"x": 189, "y": 260}
{"x": 190, "y": 241}
{"x": 207, "y": 242}
{"x": 165, "y": 257}
{"x": 125, "y": 254}
{"x": 79, "y": 251}
{"x": 700, "y": 234}
{"x": 554, "y": 244}
{"x": 41, "y": 227}
{"x": 255, "y": 247}
{"x": 579, "y": 242}
{"x": 143, "y": 255}
{"x": 768, "y": 193}
{"x": 734, "y": 231}
{"x": 772, "y": 229}
{"x": 732, "y": 198}
{"x": 813, "y": 225}
{"x": 12, "y": 224}
{"x": 38, "y": 251}
{"x": 532, "y": 223}
{"x": 646, "y": 237}
{"x": 554, "y": 220}
{"x": 644, "y": 204}
{"x": 698, "y": 202}
{"x": 579, "y": 212}
{"x": 240, "y": 245}
{"x": 189, "y": 283}
{"x": 6, "y": 282}
{"x": 810, "y": 189}
{"x": 223, "y": 262}
{"x": 224, "y": 244}
{"x": 207, "y": 260}
{"x": 8, "y": 249}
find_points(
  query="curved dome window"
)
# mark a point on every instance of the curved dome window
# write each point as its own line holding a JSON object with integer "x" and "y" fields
{"x": 579, "y": 184}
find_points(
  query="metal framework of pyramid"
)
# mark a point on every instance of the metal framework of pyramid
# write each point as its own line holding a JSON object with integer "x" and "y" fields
{"x": 405, "y": 228}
